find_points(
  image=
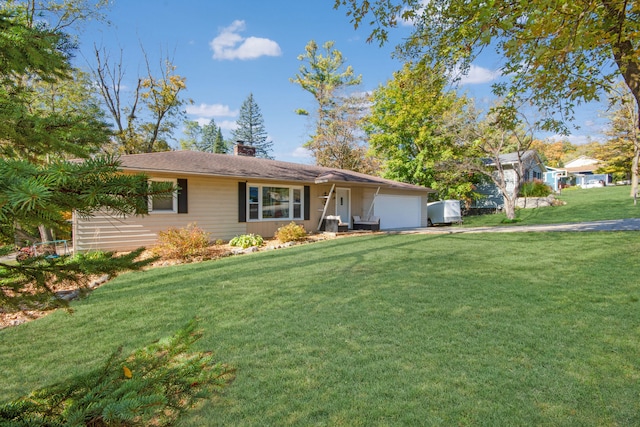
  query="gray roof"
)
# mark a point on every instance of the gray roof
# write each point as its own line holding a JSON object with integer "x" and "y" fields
{"x": 244, "y": 167}
{"x": 511, "y": 158}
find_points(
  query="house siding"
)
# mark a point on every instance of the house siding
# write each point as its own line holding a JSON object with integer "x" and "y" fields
{"x": 207, "y": 209}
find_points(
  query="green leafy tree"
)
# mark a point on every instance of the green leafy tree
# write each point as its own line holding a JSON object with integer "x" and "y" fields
{"x": 250, "y": 128}
{"x": 556, "y": 54}
{"x": 192, "y": 135}
{"x": 338, "y": 140}
{"x": 416, "y": 125}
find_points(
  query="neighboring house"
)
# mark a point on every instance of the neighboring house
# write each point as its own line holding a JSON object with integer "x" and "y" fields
{"x": 230, "y": 195}
{"x": 555, "y": 178}
{"x": 533, "y": 169}
{"x": 582, "y": 170}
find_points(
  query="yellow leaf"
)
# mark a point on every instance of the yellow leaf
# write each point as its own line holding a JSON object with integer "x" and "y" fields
{"x": 127, "y": 372}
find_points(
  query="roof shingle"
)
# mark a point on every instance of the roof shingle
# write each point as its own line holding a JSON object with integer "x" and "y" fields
{"x": 243, "y": 167}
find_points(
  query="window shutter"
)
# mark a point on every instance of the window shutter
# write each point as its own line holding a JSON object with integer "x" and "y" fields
{"x": 307, "y": 203}
{"x": 183, "y": 206}
{"x": 242, "y": 202}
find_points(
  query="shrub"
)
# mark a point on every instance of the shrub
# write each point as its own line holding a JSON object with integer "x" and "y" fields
{"x": 290, "y": 233}
{"x": 247, "y": 240}
{"x": 535, "y": 188}
{"x": 152, "y": 386}
{"x": 182, "y": 243}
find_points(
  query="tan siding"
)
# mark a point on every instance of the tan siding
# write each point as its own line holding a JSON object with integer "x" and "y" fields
{"x": 213, "y": 206}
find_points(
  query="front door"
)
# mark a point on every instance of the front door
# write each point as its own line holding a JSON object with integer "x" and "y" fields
{"x": 343, "y": 204}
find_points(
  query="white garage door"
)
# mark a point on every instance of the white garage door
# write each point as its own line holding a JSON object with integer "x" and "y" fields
{"x": 397, "y": 211}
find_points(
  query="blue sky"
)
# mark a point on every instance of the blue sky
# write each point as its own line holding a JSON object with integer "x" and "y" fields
{"x": 229, "y": 49}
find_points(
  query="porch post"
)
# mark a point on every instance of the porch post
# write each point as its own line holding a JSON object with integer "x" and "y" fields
{"x": 326, "y": 205}
{"x": 372, "y": 203}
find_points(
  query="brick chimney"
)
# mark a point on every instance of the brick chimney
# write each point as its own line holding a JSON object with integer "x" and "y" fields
{"x": 240, "y": 149}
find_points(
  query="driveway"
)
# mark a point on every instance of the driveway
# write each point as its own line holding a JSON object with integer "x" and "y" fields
{"x": 630, "y": 224}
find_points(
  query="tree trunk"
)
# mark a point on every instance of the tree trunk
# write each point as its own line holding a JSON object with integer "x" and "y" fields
{"x": 625, "y": 57}
{"x": 510, "y": 207}
{"x": 634, "y": 170}
{"x": 46, "y": 235}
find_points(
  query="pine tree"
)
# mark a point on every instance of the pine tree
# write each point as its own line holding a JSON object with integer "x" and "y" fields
{"x": 251, "y": 129}
{"x": 220, "y": 146}
{"x": 38, "y": 188}
{"x": 207, "y": 138}
{"x": 210, "y": 135}
{"x": 154, "y": 385}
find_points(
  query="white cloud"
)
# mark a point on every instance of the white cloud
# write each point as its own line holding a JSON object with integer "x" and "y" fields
{"x": 301, "y": 153}
{"x": 479, "y": 75}
{"x": 202, "y": 121}
{"x": 211, "y": 110}
{"x": 227, "y": 125}
{"x": 229, "y": 44}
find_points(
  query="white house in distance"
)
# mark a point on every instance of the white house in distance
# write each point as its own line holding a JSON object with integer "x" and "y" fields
{"x": 578, "y": 171}
{"x": 229, "y": 195}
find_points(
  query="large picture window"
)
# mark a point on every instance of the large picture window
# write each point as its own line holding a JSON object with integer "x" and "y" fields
{"x": 274, "y": 203}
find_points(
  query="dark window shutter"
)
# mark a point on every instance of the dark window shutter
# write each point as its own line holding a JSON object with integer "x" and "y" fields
{"x": 242, "y": 202}
{"x": 307, "y": 203}
{"x": 183, "y": 206}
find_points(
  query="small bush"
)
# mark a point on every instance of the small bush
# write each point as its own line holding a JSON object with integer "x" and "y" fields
{"x": 153, "y": 386}
{"x": 182, "y": 243}
{"x": 247, "y": 240}
{"x": 290, "y": 233}
{"x": 535, "y": 188}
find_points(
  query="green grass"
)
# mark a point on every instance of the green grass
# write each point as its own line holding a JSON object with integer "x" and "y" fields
{"x": 592, "y": 204}
{"x": 462, "y": 329}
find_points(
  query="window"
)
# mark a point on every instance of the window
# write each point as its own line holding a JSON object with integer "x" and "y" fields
{"x": 164, "y": 203}
{"x": 274, "y": 203}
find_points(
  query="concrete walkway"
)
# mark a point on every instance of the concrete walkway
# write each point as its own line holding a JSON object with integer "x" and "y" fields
{"x": 630, "y": 224}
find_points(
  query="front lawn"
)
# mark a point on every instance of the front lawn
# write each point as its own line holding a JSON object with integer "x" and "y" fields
{"x": 593, "y": 204}
{"x": 462, "y": 329}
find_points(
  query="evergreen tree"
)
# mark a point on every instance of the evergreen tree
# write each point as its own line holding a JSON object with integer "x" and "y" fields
{"x": 220, "y": 146}
{"x": 251, "y": 129}
{"x": 38, "y": 188}
{"x": 212, "y": 141}
{"x": 207, "y": 138}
